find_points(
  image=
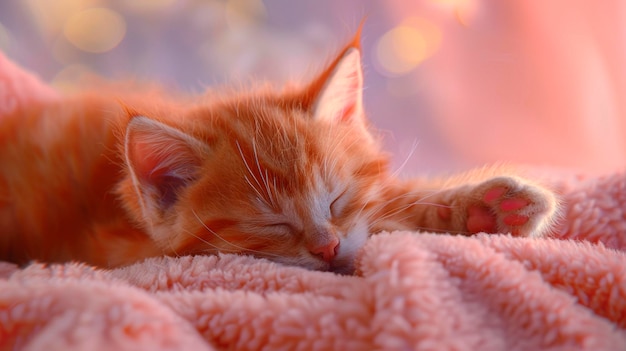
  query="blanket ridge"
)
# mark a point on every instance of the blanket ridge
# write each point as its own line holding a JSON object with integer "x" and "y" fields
{"x": 413, "y": 291}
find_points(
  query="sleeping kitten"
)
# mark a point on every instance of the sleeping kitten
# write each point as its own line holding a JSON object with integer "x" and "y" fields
{"x": 293, "y": 176}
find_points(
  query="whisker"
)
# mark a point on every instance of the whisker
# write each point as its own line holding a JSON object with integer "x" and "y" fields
{"x": 270, "y": 194}
{"x": 245, "y": 162}
{"x": 434, "y": 230}
{"x": 226, "y": 241}
{"x": 406, "y": 160}
{"x": 203, "y": 240}
{"x": 366, "y": 203}
{"x": 211, "y": 252}
{"x": 328, "y": 169}
{"x": 381, "y": 206}
{"x": 391, "y": 213}
{"x": 172, "y": 248}
{"x": 259, "y": 195}
{"x": 258, "y": 166}
{"x": 411, "y": 194}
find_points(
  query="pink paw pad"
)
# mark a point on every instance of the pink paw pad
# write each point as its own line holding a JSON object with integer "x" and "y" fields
{"x": 509, "y": 205}
{"x": 494, "y": 194}
{"x": 484, "y": 220}
{"x": 513, "y": 204}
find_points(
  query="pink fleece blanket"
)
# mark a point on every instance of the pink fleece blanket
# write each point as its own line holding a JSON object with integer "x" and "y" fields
{"x": 413, "y": 290}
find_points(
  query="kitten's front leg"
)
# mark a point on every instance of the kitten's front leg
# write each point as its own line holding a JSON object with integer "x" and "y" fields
{"x": 505, "y": 204}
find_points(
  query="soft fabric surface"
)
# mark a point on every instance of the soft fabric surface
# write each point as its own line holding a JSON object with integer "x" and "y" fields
{"x": 413, "y": 291}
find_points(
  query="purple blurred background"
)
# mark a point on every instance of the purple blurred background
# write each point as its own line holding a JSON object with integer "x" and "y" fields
{"x": 451, "y": 84}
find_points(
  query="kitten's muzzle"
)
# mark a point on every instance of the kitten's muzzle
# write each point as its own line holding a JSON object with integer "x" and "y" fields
{"x": 327, "y": 251}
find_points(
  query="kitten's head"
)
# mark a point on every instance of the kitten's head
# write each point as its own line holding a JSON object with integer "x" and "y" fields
{"x": 289, "y": 176}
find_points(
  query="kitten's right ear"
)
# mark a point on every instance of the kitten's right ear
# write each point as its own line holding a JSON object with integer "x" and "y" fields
{"x": 161, "y": 160}
{"x": 337, "y": 94}
{"x": 340, "y": 98}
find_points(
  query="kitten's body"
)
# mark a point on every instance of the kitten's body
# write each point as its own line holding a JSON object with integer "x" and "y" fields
{"x": 293, "y": 176}
{"x": 59, "y": 166}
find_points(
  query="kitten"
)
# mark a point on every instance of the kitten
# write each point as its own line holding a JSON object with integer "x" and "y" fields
{"x": 293, "y": 176}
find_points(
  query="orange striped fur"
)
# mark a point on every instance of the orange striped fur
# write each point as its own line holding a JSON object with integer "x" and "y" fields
{"x": 294, "y": 176}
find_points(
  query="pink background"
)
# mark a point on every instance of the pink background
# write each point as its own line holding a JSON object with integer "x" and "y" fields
{"x": 533, "y": 82}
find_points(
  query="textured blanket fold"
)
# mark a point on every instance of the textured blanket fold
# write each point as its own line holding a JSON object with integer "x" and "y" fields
{"x": 413, "y": 291}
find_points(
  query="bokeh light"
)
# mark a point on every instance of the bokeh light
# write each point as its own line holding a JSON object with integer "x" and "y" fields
{"x": 438, "y": 70}
{"x": 148, "y": 6}
{"x": 50, "y": 16}
{"x": 244, "y": 12}
{"x": 95, "y": 30}
{"x": 463, "y": 10}
{"x": 404, "y": 47}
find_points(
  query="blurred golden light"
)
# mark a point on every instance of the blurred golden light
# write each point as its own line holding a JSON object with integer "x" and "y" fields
{"x": 50, "y": 16}
{"x": 242, "y": 12}
{"x": 464, "y": 15}
{"x": 95, "y": 30}
{"x": 404, "y": 47}
{"x": 140, "y": 6}
{"x": 464, "y": 10}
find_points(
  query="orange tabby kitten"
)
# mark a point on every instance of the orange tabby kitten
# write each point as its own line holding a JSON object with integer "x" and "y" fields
{"x": 293, "y": 176}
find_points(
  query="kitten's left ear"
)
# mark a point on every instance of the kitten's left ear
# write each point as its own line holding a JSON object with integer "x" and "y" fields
{"x": 340, "y": 98}
{"x": 162, "y": 161}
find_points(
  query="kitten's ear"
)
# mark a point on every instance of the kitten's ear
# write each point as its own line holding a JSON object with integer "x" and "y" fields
{"x": 340, "y": 98}
{"x": 162, "y": 160}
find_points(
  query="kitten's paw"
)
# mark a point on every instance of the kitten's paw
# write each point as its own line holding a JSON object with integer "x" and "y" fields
{"x": 510, "y": 205}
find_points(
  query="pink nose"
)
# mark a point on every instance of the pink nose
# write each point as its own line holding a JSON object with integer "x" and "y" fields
{"x": 327, "y": 251}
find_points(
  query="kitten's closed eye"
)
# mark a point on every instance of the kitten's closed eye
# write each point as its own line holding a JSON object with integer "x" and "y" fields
{"x": 339, "y": 203}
